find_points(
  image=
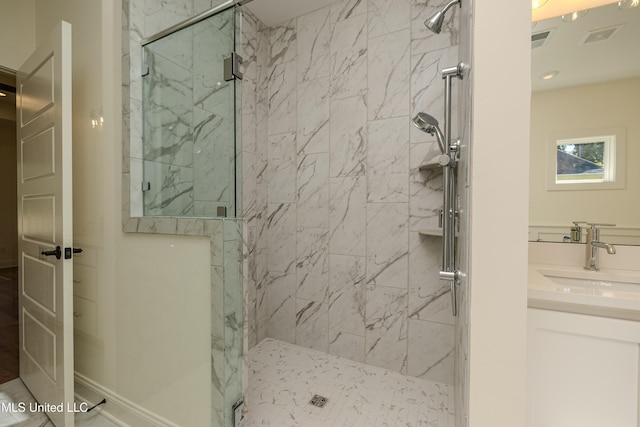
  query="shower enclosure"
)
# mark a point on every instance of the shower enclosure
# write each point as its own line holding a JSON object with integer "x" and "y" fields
{"x": 189, "y": 155}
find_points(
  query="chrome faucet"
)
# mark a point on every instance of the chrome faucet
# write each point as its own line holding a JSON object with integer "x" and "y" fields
{"x": 591, "y": 260}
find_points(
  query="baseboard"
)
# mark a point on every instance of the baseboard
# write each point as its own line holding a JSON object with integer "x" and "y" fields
{"x": 119, "y": 410}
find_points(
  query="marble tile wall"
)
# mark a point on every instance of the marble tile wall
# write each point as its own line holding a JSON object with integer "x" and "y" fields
{"x": 339, "y": 263}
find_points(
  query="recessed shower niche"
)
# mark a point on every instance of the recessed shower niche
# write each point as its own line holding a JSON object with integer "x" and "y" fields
{"x": 189, "y": 121}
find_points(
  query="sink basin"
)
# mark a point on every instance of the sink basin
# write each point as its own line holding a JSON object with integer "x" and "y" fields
{"x": 597, "y": 284}
{"x": 613, "y": 293}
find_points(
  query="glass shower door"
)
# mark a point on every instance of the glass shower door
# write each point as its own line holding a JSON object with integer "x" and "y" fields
{"x": 188, "y": 122}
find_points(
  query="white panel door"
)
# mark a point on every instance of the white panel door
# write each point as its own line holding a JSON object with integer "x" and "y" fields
{"x": 45, "y": 223}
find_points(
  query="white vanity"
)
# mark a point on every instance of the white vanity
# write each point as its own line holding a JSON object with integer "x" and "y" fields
{"x": 584, "y": 339}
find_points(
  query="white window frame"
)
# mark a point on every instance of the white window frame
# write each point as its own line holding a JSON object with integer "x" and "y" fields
{"x": 614, "y": 159}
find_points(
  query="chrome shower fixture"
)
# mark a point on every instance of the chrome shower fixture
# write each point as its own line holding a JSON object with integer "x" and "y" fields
{"x": 435, "y": 22}
{"x": 429, "y": 124}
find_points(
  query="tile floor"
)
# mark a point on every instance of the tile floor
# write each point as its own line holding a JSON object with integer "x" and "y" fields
{"x": 15, "y": 392}
{"x": 283, "y": 378}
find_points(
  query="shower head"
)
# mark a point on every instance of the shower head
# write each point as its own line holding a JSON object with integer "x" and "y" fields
{"x": 429, "y": 124}
{"x": 435, "y": 22}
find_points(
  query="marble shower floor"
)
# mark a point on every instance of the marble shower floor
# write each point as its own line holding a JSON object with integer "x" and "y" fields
{"x": 14, "y": 391}
{"x": 284, "y": 377}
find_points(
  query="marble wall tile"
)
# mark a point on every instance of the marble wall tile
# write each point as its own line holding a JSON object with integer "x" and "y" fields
{"x": 346, "y": 294}
{"x": 427, "y": 87}
{"x": 348, "y": 137}
{"x": 346, "y": 9}
{"x": 249, "y": 46}
{"x": 386, "y": 328}
{"x": 282, "y": 168}
{"x": 177, "y": 48}
{"x": 312, "y": 266}
{"x": 281, "y": 320}
{"x": 422, "y": 39}
{"x": 248, "y": 110}
{"x": 168, "y": 113}
{"x": 313, "y": 43}
{"x": 349, "y": 57}
{"x": 217, "y": 302}
{"x": 313, "y": 190}
{"x": 311, "y": 325}
{"x": 282, "y": 98}
{"x": 388, "y": 77}
{"x": 282, "y": 40}
{"x": 210, "y": 91}
{"x": 161, "y": 14}
{"x": 425, "y": 188}
{"x": 387, "y": 244}
{"x": 346, "y": 345}
{"x": 347, "y": 213}
{"x": 135, "y": 121}
{"x": 249, "y": 187}
{"x": 281, "y": 237}
{"x": 388, "y": 16}
{"x": 429, "y": 297}
{"x": 135, "y": 70}
{"x": 190, "y": 226}
{"x": 431, "y": 351}
{"x": 126, "y": 87}
{"x": 313, "y": 116}
{"x": 135, "y": 14}
{"x": 136, "y": 176}
{"x": 171, "y": 191}
{"x": 388, "y": 160}
{"x": 213, "y": 158}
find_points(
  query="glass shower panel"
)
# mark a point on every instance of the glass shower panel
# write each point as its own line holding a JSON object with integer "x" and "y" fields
{"x": 189, "y": 122}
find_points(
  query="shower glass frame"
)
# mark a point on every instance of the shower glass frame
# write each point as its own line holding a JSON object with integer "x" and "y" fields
{"x": 190, "y": 123}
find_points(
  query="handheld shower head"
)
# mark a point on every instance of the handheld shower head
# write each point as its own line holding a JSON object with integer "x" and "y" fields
{"x": 429, "y": 124}
{"x": 434, "y": 23}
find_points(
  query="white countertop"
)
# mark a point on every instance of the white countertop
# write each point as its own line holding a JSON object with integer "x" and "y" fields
{"x": 608, "y": 293}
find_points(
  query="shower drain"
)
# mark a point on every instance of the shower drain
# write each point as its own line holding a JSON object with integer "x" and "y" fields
{"x": 318, "y": 400}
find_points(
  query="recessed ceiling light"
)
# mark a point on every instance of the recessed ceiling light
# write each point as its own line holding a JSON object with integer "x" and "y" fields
{"x": 628, "y": 4}
{"x": 536, "y": 4}
{"x": 549, "y": 75}
{"x": 571, "y": 17}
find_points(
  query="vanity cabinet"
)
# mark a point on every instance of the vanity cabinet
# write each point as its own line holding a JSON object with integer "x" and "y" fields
{"x": 582, "y": 370}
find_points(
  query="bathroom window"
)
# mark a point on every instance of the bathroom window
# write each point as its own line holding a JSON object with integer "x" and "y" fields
{"x": 586, "y": 161}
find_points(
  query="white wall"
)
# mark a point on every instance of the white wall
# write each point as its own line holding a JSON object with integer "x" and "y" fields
{"x": 499, "y": 201}
{"x": 580, "y": 108}
{"x": 152, "y": 306}
{"x": 17, "y": 32}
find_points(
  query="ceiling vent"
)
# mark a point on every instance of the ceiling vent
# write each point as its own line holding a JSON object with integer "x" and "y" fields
{"x": 601, "y": 34}
{"x": 540, "y": 39}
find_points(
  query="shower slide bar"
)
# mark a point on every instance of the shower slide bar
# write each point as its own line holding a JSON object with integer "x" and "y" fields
{"x": 449, "y": 271}
{"x": 193, "y": 20}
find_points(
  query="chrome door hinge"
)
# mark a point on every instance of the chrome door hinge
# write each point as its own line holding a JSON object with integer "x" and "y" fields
{"x": 232, "y": 67}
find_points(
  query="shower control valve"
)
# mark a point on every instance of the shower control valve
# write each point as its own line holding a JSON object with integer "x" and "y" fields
{"x": 444, "y": 160}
